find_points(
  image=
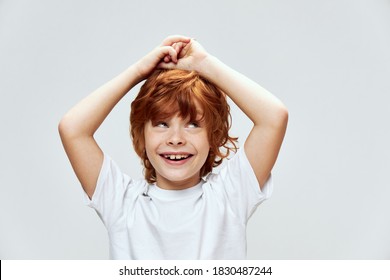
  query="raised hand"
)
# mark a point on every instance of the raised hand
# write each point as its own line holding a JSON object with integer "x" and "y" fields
{"x": 167, "y": 52}
{"x": 190, "y": 56}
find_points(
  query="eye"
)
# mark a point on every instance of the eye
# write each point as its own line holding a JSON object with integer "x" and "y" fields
{"x": 160, "y": 124}
{"x": 193, "y": 124}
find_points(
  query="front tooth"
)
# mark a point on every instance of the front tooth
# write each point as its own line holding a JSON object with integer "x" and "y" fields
{"x": 172, "y": 156}
{"x": 178, "y": 157}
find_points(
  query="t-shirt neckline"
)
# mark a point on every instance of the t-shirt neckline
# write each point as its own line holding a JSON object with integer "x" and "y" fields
{"x": 172, "y": 194}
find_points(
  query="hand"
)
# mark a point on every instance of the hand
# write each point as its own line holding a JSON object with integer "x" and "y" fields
{"x": 190, "y": 57}
{"x": 167, "y": 52}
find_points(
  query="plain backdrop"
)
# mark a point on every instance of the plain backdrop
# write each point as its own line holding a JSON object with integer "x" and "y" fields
{"x": 328, "y": 61}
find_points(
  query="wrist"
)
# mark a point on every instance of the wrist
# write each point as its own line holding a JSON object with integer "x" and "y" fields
{"x": 207, "y": 67}
{"x": 136, "y": 73}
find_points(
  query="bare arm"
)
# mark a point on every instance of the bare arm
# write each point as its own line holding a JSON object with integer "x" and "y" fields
{"x": 78, "y": 126}
{"x": 268, "y": 114}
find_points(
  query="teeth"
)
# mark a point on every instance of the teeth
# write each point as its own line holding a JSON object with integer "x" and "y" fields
{"x": 176, "y": 156}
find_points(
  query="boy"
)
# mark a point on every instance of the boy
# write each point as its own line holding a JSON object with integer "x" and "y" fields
{"x": 179, "y": 121}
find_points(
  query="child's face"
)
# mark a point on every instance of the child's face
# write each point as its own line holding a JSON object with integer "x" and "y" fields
{"x": 177, "y": 149}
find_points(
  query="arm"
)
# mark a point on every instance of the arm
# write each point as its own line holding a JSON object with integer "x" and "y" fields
{"x": 78, "y": 126}
{"x": 268, "y": 114}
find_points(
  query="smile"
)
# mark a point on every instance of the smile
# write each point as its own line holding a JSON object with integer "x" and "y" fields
{"x": 176, "y": 157}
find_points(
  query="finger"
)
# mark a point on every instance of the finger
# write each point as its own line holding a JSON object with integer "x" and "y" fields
{"x": 167, "y": 66}
{"x": 169, "y": 41}
{"x": 173, "y": 56}
{"x": 184, "y": 50}
{"x": 168, "y": 54}
{"x": 178, "y": 47}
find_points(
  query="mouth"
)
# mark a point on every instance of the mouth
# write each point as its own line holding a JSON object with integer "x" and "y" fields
{"x": 176, "y": 157}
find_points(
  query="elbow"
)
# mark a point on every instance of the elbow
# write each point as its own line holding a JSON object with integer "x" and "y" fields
{"x": 281, "y": 117}
{"x": 67, "y": 128}
{"x": 284, "y": 115}
{"x": 275, "y": 118}
{"x": 71, "y": 127}
{"x": 63, "y": 127}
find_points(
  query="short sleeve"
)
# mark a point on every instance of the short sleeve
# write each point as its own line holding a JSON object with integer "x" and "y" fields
{"x": 238, "y": 184}
{"x": 110, "y": 192}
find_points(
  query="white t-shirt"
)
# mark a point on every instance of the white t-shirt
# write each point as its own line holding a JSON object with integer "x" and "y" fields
{"x": 207, "y": 221}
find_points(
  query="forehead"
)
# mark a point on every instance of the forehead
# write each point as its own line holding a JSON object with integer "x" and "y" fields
{"x": 191, "y": 110}
{"x": 199, "y": 117}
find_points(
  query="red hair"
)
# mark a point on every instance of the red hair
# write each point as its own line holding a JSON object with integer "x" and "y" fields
{"x": 169, "y": 92}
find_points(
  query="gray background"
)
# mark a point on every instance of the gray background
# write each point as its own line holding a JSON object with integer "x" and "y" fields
{"x": 328, "y": 61}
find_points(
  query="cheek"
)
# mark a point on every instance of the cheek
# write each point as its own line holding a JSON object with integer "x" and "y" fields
{"x": 203, "y": 145}
{"x": 149, "y": 139}
{"x": 150, "y": 146}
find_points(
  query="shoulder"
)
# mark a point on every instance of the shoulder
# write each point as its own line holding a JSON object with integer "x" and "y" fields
{"x": 236, "y": 185}
{"x": 114, "y": 183}
{"x": 237, "y": 165}
{"x": 237, "y": 177}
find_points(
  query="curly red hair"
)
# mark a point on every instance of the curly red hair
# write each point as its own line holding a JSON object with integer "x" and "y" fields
{"x": 169, "y": 92}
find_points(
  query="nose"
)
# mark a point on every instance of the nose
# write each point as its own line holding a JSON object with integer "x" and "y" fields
{"x": 176, "y": 137}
